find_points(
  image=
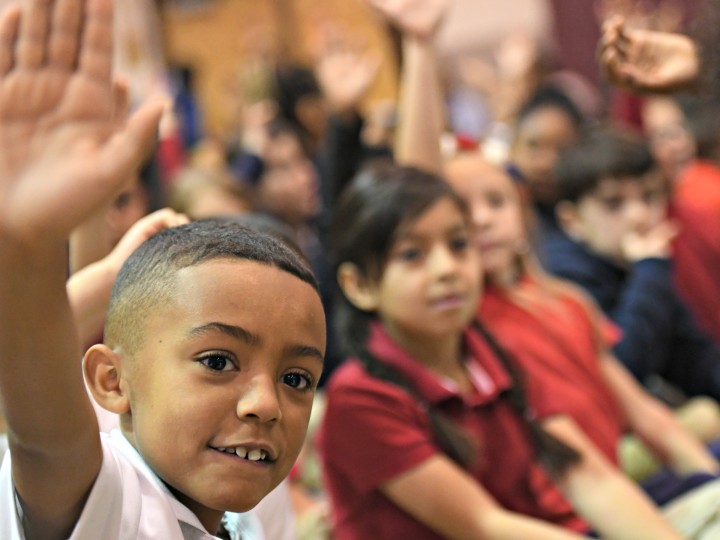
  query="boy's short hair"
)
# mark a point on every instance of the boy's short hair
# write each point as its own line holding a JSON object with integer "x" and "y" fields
{"x": 145, "y": 281}
{"x": 600, "y": 153}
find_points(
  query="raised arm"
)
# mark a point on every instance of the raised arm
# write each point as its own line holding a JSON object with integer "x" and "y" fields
{"x": 421, "y": 111}
{"x": 62, "y": 154}
{"x": 89, "y": 289}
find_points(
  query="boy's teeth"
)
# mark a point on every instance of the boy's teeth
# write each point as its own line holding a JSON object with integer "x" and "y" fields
{"x": 241, "y": 452}
{"x": 255, "y": 455}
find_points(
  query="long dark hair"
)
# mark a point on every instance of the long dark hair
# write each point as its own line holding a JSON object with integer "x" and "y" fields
{"x": 375, "y": 206}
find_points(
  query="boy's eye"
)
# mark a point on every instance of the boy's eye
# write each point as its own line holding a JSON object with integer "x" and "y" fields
{"x": 652, "y": 196}
{"x": 217, "y": 362}
{"x": 613, "y": 204}
{"x": 299, "y": 381}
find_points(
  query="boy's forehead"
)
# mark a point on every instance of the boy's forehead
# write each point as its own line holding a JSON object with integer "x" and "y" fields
{"x": 615, "y": 184}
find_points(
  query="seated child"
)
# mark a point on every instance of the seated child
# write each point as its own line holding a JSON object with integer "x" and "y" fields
{"x": 212, "y": 383}
{"x": 427, "y": 432}
{"x": 202, "y": 192}
{"x": 562, "y": 342}
{"x": 548, "y": 122}
{"x": 617, "y": 246}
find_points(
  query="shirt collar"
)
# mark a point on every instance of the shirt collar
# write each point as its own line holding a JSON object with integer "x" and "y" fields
{"x": 189, "y": 522}
{"x": 487, "y": 375}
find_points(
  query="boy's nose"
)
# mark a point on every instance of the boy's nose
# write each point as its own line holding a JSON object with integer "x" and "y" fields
{"x": 259, "y": 400}
{"x": 636, "y": 213}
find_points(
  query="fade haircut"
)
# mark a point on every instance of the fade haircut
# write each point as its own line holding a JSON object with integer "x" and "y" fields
{"x": 146, "y": 279}
{"x": 602, "y": 153}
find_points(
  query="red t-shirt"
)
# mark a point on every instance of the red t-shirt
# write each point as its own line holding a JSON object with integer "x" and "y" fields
{"x": 375, "y": 431}
{"x": 696, "y": 249}
{"x": 557, "y": 347}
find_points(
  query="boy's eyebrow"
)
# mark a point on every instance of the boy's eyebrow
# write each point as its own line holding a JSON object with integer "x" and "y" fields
{"x": 236, "y": 332}
{"x": 251, "y": 339}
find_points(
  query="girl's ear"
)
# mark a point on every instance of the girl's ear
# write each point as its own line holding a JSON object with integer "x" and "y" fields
{"x": 103, "y": 369}
{"x": 356, "y": 288}
{"x": 566, "y": 213}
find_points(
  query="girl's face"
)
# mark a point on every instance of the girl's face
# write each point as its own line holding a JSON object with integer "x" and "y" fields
{"x": 431, "y": 282}
{"x": 496, "y": 212}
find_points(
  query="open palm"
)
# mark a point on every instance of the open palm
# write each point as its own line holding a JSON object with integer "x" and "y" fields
{"x": 64, "y": 148}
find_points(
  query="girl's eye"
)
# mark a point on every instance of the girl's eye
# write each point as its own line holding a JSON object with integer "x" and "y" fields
{"x": 459, "y": 244}
{"x": 496, "y": 201}
{"x": 409, "y": 254}
{"x": 299, "y": 381}
{"x": 217, "y": 362}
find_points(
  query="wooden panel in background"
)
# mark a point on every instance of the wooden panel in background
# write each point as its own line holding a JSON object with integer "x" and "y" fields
{"x": 218, "y": 38}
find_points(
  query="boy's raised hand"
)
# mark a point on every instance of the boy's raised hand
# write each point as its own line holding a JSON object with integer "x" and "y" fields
{"x": 63, "y": 149}
{"x": 345, "y": 73}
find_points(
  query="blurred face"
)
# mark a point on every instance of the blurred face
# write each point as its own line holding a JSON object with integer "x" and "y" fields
{"x": 214, "y": 202}
{"x": 131, "y": 205}
{"x": 670, "y": 142}
{"x": 603, "y": 218}
{"x": 220, "y": 394}
{"x": 289, "y": 188}
{"x": 430, "y": 285}
{"x": 538, "y": 140}
{"x": 496, "y": 212}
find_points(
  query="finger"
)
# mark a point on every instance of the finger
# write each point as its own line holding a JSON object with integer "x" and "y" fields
{"x": 121, "y": 101}
{"x": 34, "y": 26}
{"x": 126, "y": 150}
{"x": 65, "y": 35}
{"x": 9, "y": 26}
{"x": 97, "y": 40}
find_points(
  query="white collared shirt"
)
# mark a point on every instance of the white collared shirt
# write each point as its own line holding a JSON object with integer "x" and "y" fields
{"x": 127, "y": 502}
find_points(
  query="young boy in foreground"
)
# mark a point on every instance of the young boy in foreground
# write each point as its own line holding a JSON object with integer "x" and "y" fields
{"x": 210, "y": 367}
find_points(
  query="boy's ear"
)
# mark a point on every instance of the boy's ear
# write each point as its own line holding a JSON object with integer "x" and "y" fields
{"x": 568, "y": 218}
{"x": 356, "y": 288}
{"x": 103, "y": 369}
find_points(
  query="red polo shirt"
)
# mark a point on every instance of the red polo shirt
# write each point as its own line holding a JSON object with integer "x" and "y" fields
{"x": 696, "y": 250}
{"x": 556, "y": 344}
{"x": 375, "y": 431}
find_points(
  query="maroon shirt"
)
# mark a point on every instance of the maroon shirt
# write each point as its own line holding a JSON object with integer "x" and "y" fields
{"x": 375, "y": 431}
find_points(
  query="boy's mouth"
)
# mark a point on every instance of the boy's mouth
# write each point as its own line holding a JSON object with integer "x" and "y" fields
{"x": 253, "y": 454}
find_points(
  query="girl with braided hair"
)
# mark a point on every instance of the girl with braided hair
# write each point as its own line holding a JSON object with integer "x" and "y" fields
{"x": 428, "y": 433}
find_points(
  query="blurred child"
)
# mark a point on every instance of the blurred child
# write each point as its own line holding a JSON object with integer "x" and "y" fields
{"x": 614, "y": 211}
{"x": 423, "y": 416}
{"x": 212, "y": 383}
{"x": 202, "y": 193}
{"x": 561, "y": 340}
{"x": 548, "y": 122}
